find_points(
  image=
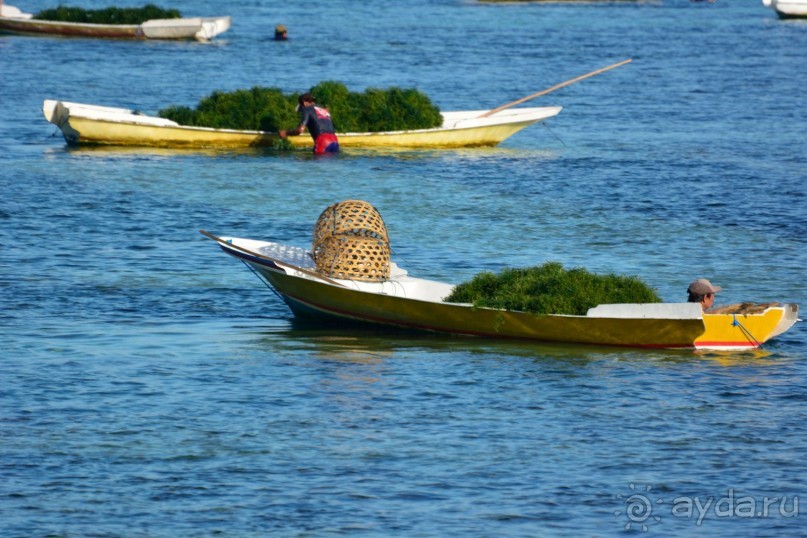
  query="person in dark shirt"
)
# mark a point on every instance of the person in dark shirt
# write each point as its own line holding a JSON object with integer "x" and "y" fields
{"x": 319, "y": 124}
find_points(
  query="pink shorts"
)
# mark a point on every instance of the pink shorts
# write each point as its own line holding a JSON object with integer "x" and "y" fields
{"x": 326, "y": 143}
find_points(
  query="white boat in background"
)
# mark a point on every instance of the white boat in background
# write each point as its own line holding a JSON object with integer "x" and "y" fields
{"x": 12, "y": 20}
{"x": 787, "y": 9}
{"x": 84, "y": 124}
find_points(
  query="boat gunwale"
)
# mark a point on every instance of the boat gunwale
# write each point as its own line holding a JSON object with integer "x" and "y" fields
{"x": 513, "y": 119}
{"x": 277, "y": 266}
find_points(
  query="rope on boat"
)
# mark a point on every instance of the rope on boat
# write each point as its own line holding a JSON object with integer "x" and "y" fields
{"x": 265, "y": 283}
{"x": 746, "y": 332}
{"x": 559, "y": 139}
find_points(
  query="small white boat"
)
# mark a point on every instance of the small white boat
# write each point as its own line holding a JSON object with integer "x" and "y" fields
{"x": 83, "y": 124}
{"x": 787, "y": 9}
{"x": 12, "y": 20}
{"x": 403, "y": 301}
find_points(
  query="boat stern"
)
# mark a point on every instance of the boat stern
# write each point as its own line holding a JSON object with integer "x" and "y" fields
{"x": 211, "y": 27}
{"x": 789, "y": 318}
{"x": 12, "y": 12}
{"x": 58, "y": 114}
{"x": 200, "y": 28}
{"x": 747, "y": 327}
{"x": 49, "y": 110}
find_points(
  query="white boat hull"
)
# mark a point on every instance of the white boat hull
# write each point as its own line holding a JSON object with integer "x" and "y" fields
{"x": 12, "y": 20}
{"x": 788, "y": 8}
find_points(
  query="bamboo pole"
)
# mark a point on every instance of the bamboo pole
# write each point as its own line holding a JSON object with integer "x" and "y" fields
{"x": 556, "y": 87}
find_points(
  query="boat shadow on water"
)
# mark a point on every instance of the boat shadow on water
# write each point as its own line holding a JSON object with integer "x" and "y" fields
{"x": 129, "y": 151}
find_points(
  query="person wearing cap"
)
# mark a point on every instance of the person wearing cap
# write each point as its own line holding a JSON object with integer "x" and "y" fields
{"x": 318, "y": 121}
{"x": 281, "y": 34}
{"x": 701, "y": 291}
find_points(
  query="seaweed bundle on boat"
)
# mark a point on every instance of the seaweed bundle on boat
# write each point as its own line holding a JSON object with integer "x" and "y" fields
{"x": 110, "y": 15}
{"x": 269, "y": 109}
{"x": 551, "y": 289}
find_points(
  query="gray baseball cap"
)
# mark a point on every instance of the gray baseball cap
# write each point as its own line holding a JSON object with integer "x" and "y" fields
{"x": 702, "y": 287}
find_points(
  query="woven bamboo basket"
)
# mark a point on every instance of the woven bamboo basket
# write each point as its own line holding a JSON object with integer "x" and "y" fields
{"x": 353, "y": 258}
{"x": 351, "y": 242}
{"x": 351, "y": 217}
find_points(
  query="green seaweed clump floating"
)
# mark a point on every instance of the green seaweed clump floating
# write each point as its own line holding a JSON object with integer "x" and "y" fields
{"x": 269, "y": 109}
{"x": 110, "y": 15}
{"x": 551, "y": 289}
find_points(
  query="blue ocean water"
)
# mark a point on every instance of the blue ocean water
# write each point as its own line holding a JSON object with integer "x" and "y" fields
{"x": 152, "y": 386}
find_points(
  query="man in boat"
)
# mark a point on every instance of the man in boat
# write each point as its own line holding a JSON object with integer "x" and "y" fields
{"x": 319, "y": 124}
{"x": 701, "y": 291}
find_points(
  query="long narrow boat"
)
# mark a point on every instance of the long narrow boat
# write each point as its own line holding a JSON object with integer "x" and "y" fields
{"x": 787, "y": 9}
{"x": 84, "y": 124}
{"x": 413, "y": 303}
{"x": 12, "y": 20}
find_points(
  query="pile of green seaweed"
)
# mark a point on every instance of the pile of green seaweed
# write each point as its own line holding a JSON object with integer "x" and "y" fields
{"x": 269, "y": 109}
{"x": 551, "y": 289}
{"x": 110, "y": 15}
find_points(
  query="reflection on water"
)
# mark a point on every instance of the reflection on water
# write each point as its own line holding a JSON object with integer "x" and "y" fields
{"x": 370, "y": 344}
{"x": 127, "y": 151}
{"x": 335, "y": 341}
{"x": 458, "y": 155}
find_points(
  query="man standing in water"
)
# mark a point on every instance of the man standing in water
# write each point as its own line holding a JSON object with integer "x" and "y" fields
{"x": 319, "y": 124}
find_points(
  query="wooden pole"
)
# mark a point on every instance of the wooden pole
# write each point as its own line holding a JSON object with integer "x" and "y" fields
{"x": 556, "y": 87}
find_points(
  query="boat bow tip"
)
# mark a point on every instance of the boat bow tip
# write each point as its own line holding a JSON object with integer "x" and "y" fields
{"x": 49, "y": 109}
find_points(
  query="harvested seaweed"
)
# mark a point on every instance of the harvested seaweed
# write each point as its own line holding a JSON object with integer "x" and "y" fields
{"x": 256, "y": 109}
{"x": 551, "y": 289}
{"x": 376, "y": 110}
{"x": 269, "y": 109}
{"x": 110, "y": 15}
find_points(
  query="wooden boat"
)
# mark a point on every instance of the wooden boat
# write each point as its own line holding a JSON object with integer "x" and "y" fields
{"x": 100, "y": 125}
{"x": 12, "y": 20}
{"x": 787, "y": 8}
{"x": 413, "y": 303}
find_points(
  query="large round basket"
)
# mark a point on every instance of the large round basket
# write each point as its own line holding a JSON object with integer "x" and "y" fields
{"x": 353, "y": 258}
{"x": 351, "y": 217}
{"x": 351, "y": 242}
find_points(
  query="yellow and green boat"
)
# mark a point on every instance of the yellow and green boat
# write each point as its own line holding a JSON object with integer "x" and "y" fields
{"x": 403, "y": 301}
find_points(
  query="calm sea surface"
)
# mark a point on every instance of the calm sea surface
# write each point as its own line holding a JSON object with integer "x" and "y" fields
{"x": 152, "y": 386}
